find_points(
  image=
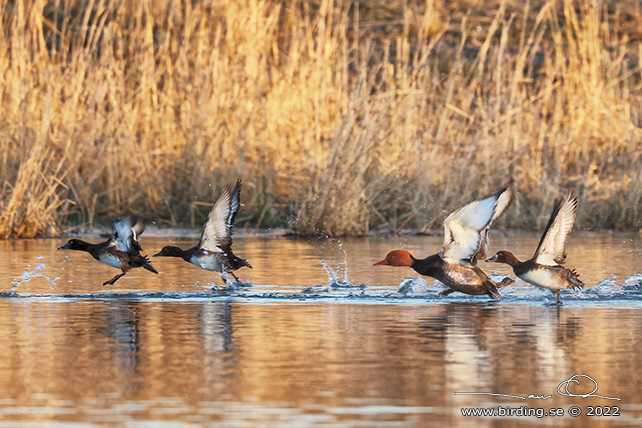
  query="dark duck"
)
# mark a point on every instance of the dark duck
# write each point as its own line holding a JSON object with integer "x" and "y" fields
{"x": 121, "y": 250}
{"x": 214, "y": 250}
{"x": 465, "y": 242}
{"x": 545, "y": 268}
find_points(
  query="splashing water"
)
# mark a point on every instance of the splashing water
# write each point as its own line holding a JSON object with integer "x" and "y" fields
{"x": 633, "y": 281}
{"x": 231, "y": 284}
{"x": 411, "y": 287}
{"x": 28, "y": 275}
{"x": 315, "y": 289}
{"x": 334, "y": 272}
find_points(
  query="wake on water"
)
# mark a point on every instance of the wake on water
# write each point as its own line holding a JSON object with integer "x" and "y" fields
{"x": 340, "y": 287}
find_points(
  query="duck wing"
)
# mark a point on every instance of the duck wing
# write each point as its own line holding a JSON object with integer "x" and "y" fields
{"x": 466, "y": 230}
{"x": 217, "y": 231}
{"x": 551, "y": 250}
{"x": 125, "y": 233}
{"x": 503, "y": 201}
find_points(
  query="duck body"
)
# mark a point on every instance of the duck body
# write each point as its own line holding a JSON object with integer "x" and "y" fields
{"x": 463, "y": 278}
{"x": 208, "y": 260}
{"x": 465, "y": 241}
{"x": 554, "y": 278}
{"x": 214, "y": 250}
{"x": 121, "y": 250}
{"x": 544, "y": 269}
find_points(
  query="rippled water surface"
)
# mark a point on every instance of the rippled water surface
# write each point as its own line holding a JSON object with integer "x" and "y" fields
{"x": 167, "y": 350}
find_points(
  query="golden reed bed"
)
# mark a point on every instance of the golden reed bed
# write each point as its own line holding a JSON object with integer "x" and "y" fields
{"x": 339, "y": 117}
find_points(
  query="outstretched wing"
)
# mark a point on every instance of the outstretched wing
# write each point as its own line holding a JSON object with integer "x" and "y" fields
{"x": 504, "y": 200}
{"x": 466, "y": 230}
{"x": 125, "y": 233}
{"x": 217, "y": 231}
{"x": 551, "y": 250}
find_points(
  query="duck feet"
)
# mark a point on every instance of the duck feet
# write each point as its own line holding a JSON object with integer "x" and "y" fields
{"x": 114, "y": 279}
{"x": 505, "y": 281}
{"x": 446, "y": 292}
{"x": 229, "y": 285}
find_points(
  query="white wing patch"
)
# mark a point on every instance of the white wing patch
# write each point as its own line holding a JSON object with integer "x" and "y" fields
{"x": 122, "y": 233}
{"x": 215, "y": 228}
{"x": 217, "y": 231}
{"x": 125, "y": 232}
{"x": 466, "y": 230}
{"x": 504, "y": 200}
{"x": 552, "y": 247}
{"x": 110, "y": 259}
{"x": 207, "y": 263}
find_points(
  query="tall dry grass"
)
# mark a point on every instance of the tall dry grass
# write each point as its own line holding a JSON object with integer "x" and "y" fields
{"x": 339, "y": 116}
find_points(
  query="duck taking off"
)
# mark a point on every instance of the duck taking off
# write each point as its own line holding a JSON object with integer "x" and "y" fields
{"x": 465, "y": 242}
{"x": 121, "y": 250}
{"x": 214, "y": 250}
{"x": 545, "y": 268}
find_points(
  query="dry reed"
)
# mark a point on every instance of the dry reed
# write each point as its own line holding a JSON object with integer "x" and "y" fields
{"x": 339, "y": 116}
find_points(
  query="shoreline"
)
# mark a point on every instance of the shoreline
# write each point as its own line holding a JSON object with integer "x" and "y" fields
{"x": 242, "y": 233}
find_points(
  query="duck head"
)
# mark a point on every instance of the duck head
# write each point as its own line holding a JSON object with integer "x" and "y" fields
{"x": 169, "y": 251}
{"x": 74, "y": 244}
{"x": 397, "y": 258}
{"x": 503, "y": 257}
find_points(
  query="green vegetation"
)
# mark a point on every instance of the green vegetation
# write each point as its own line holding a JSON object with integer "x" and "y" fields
{"x": 339, "y": 116}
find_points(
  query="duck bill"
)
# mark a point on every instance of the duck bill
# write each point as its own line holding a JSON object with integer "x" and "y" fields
{"x": 64, "y": 247}
{"x": 382, "y": 262}
{"x": 492, "y": 259}
{"x": 157, "y": 254}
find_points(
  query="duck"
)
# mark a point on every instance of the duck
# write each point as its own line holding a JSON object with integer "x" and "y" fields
{"x": 121, "y": 250}
{"x": 214, "y": 250}
{"x": 545, "y": 268}
{"x": 465, "y": 242}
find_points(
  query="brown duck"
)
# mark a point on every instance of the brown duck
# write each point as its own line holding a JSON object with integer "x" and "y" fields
{"x": 465, "y": 242}
{"x": 544, "y": 269}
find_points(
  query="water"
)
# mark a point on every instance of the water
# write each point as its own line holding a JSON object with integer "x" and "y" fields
{"x": 321, "y": 338}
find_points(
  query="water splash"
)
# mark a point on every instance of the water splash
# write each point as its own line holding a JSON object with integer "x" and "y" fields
{"x": 28, "y": 275}
{"x": 333, "y": 276}
{"x": 334, "y": 272}
{"x": 315, "y": 289}
{"x": 412, "y": 287}
{"x": 606, "y": 287}
{"x": 231, "y": 284}
{"x": 633, "y": 281}
{"x": 526, "y": 295}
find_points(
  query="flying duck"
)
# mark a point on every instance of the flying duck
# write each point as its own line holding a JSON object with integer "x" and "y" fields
{"x": 465, "y": 242}
{"x": 121, "y": 250}
{"x": 544, "y": 269}
{"x": 214, "y": 250}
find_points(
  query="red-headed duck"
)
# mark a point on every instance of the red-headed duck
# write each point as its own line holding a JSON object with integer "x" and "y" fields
{"x": 465, "y": 242}
{"x": 544, "y": 269}
{"x": 214, "y": 250}
{"x": 121, "y": 250}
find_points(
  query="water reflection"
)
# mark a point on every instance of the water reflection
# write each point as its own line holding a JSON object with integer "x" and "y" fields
{"x": 135, "y": 360}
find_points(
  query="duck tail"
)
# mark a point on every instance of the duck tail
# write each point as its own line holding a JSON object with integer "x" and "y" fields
{"x": 239, "y": 263}
{"x": 574, "y": 279}
{"x": 148, "y": 265}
